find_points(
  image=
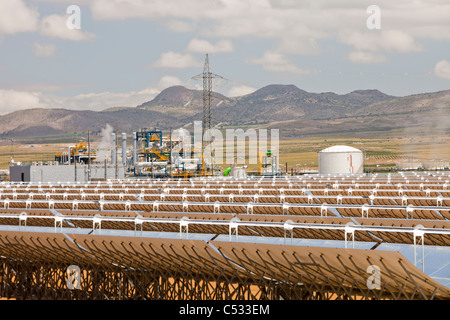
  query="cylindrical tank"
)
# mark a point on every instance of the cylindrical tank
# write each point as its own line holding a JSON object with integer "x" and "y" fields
{"x": 341, "y": 159}
{"x": 113, "y": 149}
{"x": 124, "y": 148}
{"x": 238, "y": 172}
{"x": 135, "y": 157}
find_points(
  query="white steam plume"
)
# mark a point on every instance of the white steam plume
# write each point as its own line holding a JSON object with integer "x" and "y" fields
{"x": 106, "y": 143}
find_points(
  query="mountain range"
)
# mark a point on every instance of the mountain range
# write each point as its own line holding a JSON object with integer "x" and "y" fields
{"x": 294, "y": 111}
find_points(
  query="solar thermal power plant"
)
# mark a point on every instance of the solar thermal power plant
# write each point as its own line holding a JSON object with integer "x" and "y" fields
{"x": 312, "y": 237}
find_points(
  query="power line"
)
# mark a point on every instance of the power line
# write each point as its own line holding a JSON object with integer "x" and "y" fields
{"x": 207, "y": 77}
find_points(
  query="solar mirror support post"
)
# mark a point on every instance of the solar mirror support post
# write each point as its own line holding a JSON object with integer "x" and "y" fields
{"x": 234, "y": 227}
{"x": 419, "y": 240}
{"x": 184, "y": 226}
{"x": 138, "y": 222}
{"x": 23, "y": 219}
{"x": 58, "y": 223}
{"x": 97, "y": 224}
{"x": 288, "y": 227}
{"x": 349, "y": 231}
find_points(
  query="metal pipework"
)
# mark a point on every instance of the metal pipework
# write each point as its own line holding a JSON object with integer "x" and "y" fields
{"x": 113, "y": 149}
{"x": 135, "y": 157}
{"x": 124, "y": 149}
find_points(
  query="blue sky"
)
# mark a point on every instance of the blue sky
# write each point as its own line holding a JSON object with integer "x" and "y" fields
{"x": 127, "y": 51}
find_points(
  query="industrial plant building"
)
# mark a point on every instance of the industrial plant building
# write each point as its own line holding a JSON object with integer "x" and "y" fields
{"x": 50, "y": 172}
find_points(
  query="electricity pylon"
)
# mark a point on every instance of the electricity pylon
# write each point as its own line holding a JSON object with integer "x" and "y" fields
{"x": 207, "y": 77}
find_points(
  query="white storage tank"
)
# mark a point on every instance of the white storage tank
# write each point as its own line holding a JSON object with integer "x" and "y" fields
{"x": 341, "y": 159}
{"x": 238, "y": 172}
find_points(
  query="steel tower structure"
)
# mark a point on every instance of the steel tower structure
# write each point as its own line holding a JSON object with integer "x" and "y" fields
{"x": 207, "y": 92}
{"x": 207, "y": 77}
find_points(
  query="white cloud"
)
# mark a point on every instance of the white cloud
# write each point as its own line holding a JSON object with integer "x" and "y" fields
{"x": 399, "y": 41}
{"x": 13, "y": 100}
{"x": 180, "y": 26}
{"x": 383, "y": 41}
{"x": 204, "y": 46}
{"x": 240, "y": 91}
{"x": 39, "y": 87}
{"x": 16, "y": 17}
{"x": 366, "y": 57}
{"x": 176, "y": 60}
{"x": 372, "y": 47}
{"x": 442, "y": 69}
{"x": 120, "y": 10}
{"x": 277, "y": 62}
{"x": 168, "y": 81}
{"x": 44, "y": 50}
{"x": 19, "y": 99}
{"x": 295, "y": 26}
{"x": 56, "y": 26}
{"x": 307, "y": 45}
{"x": 104, "y": 100}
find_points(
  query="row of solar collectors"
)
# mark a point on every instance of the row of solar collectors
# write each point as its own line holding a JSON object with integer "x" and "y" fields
{"x": 241, "y": 197}
{"x": 352, "y": 207}
{"x": 133, "y": 186}
{"x": 431, "y": 189}
{"x": 307, "y": 227}
{"x": 231, "y": 196}
{"x": 206, "y": 197}
{"x": 337, "y": 270}
{"x": 444, "y": 177}
{"x": 240, "y": 189}
{"x": 250, "y": 183}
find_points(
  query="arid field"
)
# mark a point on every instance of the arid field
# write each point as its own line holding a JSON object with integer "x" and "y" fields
{"x": 298, "y": 153}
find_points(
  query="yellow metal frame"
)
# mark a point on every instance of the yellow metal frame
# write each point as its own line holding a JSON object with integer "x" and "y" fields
{"x": 81, "y": 149}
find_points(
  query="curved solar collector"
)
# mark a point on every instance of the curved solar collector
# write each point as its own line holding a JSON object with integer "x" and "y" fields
{"x": 377, "y": 210}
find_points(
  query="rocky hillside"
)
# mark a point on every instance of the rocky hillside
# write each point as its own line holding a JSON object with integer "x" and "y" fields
{"x": 294, "y": 111}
